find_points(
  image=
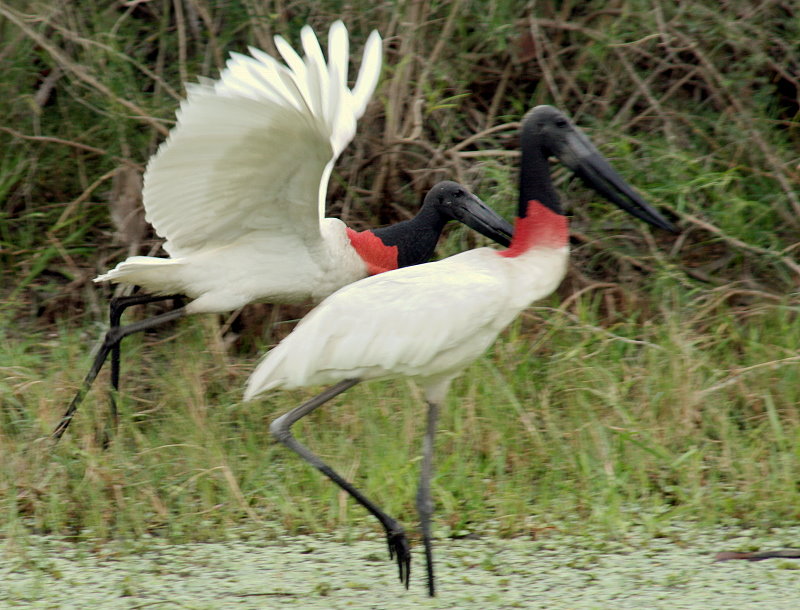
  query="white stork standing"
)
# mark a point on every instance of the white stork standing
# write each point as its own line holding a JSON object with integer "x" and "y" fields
{"x": 430, "y": 321}
{"x": 238, "y": 191}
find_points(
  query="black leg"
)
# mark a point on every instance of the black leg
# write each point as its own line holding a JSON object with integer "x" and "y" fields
{"x": 281, "y": 430}
{"x": 116, "y": 307}
{"x": 424, "y": 500}
{"x": 113, "y": 337}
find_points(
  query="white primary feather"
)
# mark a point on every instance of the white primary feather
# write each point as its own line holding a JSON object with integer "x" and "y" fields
{"x": 249, "y": 161}
{"x": 427, "y": 321}
{"x": 233, "y": 143}
{"x": 368, "y": 74}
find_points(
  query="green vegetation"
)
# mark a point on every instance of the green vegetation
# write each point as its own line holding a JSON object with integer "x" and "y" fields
{"x": 661, "y": 383}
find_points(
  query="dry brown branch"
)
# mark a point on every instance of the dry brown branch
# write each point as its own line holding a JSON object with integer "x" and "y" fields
{"x": 745, "y": 121}
{"x": 631, "y": 75}
{"x": 126, "y": 210}
{"x": 737, "y": 374}
{"x": 645, "y": 90}
{"x": 260, "y": 24}
{"x": 70, "y": 143}
{"x": 544, "y": 66}
{"x": 597, "y": 329}
{"x": 70, "y": 208}
{"x": 442, "y": 39}
{"x": 477, "y": 154}
{"x": 499, "y": 94}
{"x": 46, "y": 88}
{"x": 76, "y": 69}
{"x": 565, "y": 304}
{"x": 180, "y": 28}
{"x": 211, "y": 30}
{"x": 72, "y": 36}
{"x": 739, "y": 244}
{"x": 484, "y": 134}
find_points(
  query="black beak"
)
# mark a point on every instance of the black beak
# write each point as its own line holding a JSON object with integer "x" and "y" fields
{"x": 470, "y": 210}
{"x": 578, "y": 153}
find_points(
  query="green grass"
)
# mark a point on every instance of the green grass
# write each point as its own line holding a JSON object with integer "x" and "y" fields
{"x": 693, "y": 417}
{"x": 659, "y": 384}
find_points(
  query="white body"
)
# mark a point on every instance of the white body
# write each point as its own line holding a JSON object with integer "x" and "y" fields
{"x": 428, "y": 322}
{"x": 238, "y": 188}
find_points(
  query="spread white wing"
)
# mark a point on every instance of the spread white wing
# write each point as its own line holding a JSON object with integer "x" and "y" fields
{"x": 253, "y": 151}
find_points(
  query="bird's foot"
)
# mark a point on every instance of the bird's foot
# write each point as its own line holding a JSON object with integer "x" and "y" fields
{"x": 398, "y": 547}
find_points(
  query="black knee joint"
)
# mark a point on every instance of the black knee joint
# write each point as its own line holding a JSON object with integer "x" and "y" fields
{"x": 279, "y": 430}
{"x": 113, "y": 336}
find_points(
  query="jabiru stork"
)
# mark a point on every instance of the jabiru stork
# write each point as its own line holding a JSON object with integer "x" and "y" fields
{"x": 238, "y": 192}
{"x": 430, "y": 321}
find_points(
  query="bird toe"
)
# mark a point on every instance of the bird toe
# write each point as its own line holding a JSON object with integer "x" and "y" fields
{"x": 399, "y": 549}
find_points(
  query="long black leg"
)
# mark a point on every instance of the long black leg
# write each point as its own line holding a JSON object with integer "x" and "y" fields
{"x": 113, "y": 337}
{"x": 116, "y": 307}
{"x": 281, "y": 430}
{"x": 424, "y": 500}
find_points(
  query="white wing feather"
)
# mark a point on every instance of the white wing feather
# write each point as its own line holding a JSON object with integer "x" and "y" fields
{"x": 253, "y": 151}
{"x": 427, "y": 321}
{"x": 368, "y": 74}
{"x": 409, "y": 322}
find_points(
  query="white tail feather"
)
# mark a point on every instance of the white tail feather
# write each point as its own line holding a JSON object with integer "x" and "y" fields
{"x": 146, "y": 271}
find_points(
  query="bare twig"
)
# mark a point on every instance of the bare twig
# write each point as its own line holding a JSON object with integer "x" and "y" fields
{"x": 70, "y": 35}
{"x": 738, "y": 243}
{"x": 76, "y": 69}
{"x": 738, "y": 374}
{"x": 72, "y": 144}
{"x": 180, "y": 28}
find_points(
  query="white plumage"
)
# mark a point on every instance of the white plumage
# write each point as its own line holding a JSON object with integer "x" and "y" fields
{"x": 427, "y": 322}
{"x": 238, "y": 188}
{"x": 238, "y": 192}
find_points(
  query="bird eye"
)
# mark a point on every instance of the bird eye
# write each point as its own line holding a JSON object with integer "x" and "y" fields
{"x": 561, "y": 122}
{"x": 460, "y": 193}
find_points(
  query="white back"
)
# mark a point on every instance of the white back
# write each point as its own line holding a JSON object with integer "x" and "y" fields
{"x": 428, "y": 321}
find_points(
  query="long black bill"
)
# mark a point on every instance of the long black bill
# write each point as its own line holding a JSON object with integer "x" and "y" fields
{"x": 470, "y": 210}
{"x": 578, "y": 153}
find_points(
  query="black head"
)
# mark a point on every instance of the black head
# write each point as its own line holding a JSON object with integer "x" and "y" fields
{"x": 549, "y": 130}
{"x": 454, "y": 202}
